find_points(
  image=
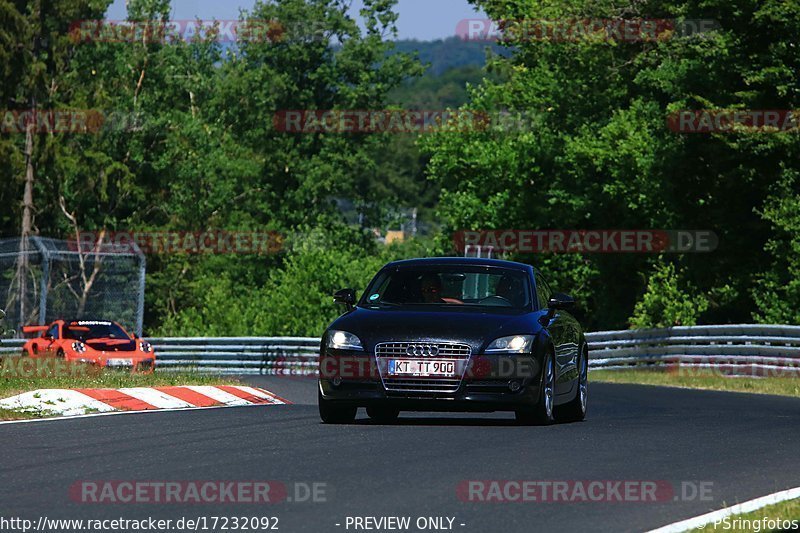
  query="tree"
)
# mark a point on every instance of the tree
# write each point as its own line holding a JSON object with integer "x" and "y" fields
{"x": 598, "y": 154}
{"x": 40, "y": 48}
{"x": 666, "y": 303}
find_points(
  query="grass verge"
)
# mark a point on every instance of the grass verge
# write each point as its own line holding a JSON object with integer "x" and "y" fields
{"x": 785, "y": 512}
{"x": 701, "y": 379}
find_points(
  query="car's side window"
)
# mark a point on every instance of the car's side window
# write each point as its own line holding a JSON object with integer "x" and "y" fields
{"x": 53, "y": 331}
{"x": 543, "y": 291}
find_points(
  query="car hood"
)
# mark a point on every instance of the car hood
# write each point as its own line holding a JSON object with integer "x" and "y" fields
{"x": 471, "y": 326}
{"x": 111, "y": 346}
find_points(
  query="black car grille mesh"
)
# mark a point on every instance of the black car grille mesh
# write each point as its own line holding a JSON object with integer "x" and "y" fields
{"x": 446, "y": 350}
{"x": 387, "y": 350}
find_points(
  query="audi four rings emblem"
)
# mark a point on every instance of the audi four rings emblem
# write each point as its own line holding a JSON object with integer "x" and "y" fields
{"x": 422, "y": 350}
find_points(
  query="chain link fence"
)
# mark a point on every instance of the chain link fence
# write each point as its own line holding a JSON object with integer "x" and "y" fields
{"x": 44, "y": 279}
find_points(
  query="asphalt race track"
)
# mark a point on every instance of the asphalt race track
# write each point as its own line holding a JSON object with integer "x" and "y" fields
{"x": 745, "y": 444}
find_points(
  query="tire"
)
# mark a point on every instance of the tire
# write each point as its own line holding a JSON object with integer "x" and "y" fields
{"x": 60, "y": 353}
{"x": 542, "y": 414}
{"x": 383, "y": 415}
{"x": 575, "y": 411}
{"x": 334, "y": 414}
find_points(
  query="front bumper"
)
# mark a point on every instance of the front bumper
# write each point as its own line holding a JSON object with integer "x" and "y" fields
{"x": 496, "y": 383}
{"x": 464, "y": 400}
{"x": 143, "y": 366}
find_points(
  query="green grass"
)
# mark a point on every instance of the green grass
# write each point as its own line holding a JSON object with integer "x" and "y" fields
{"x": 16, "y": 380}
{"x": 701, "y": 379}
{"x": 789, "y": 510}
{"x": 11, "y": 414}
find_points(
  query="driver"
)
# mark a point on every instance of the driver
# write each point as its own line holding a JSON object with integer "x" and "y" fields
{"x": 431, "y": 288}
{"x": 507, "y": 288}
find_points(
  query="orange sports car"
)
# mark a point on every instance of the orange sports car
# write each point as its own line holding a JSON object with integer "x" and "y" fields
{"x": 99, "y": 342}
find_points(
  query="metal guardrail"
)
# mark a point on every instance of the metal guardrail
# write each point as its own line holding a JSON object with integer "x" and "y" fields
{"x": 285, "y": 356}
{"x": 752, "y": 349}
{"x": 290, "y": 356}
{"x": 761, "y": 348}
{"x": 10, "y": 346}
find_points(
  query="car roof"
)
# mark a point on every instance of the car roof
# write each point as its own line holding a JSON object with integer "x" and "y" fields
{"x": 465, "y": 261}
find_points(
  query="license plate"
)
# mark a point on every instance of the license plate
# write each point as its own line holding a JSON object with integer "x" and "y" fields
{"x": 422, "y": 368}
{"x": 119, "y": 362}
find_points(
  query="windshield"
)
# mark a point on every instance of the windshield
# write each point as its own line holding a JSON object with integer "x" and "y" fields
{"x": 447, "y": 286}
{"x": 85, "y": 330}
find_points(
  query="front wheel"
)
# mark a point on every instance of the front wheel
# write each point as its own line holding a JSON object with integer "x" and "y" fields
{"x": 542, "y": 413}
{"x": 575, "y": 411}
{"x": 334, "y": 414}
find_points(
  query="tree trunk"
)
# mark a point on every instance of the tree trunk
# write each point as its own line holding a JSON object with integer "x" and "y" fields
{"x": 27, "y": 221}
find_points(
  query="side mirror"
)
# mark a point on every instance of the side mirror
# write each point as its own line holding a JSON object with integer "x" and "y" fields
{"x": 346, "y": 297}
{"x": 561, "y": 301}
{"x": 557, "y": 301}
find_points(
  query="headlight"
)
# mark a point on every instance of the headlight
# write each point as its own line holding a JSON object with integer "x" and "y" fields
{"x": 341, "y": 340}
{"x": 512, "y": 344}
{"x": 146, "y": 347}
{"x": 78, "y": 347}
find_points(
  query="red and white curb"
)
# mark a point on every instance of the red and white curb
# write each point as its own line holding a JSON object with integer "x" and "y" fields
{"x": 74, "y": 402}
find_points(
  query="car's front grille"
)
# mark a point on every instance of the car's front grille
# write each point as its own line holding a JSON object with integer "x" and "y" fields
{"x": 421, "y": 385}
{"x": 425, "y": 351}
{"x": 445, "y": 350}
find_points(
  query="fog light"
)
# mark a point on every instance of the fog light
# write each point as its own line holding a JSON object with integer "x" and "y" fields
{"x": 337, "y": 381}
{"x": 514, "y": 386}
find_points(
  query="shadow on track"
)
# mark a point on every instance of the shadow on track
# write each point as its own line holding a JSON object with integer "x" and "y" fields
{"x": 450, "y": 421}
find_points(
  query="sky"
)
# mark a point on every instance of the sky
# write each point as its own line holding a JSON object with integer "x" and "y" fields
{"x": 424, "y": 20}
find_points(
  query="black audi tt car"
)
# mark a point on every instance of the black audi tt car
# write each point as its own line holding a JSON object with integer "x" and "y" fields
{"x": 454, "y": 334}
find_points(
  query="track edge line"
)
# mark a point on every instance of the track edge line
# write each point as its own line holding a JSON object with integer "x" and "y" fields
{"x": 741, "y": 508}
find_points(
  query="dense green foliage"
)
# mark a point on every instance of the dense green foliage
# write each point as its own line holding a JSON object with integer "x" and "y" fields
{"x": 202, "y": 153}
{"x": 296, "y": 298}
{"x": 602, "y": 157}
{"x": 665, "y": 303}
